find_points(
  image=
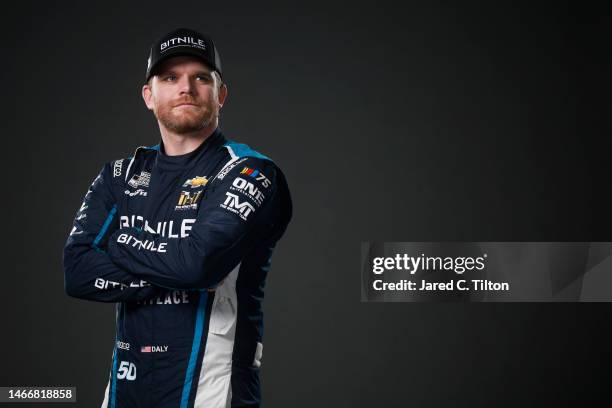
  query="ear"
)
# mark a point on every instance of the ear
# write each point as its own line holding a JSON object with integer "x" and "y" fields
{"x": 222, "y": 94}
{"x": 147, "y": 96}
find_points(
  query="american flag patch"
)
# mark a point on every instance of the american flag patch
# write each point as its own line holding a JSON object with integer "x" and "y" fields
{"x": 145, "y": 349}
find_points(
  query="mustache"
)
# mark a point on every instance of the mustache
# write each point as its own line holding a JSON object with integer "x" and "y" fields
{"x": 182, "y": 101}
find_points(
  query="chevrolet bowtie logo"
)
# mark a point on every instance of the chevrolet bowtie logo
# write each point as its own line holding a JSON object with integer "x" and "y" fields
{"x": 196, "y": 182}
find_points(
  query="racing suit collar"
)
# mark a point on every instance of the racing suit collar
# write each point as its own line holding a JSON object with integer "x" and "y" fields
{"x": 185, "y": 161}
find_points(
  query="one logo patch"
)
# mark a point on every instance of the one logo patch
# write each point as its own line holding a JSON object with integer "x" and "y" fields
{"x": 248, "y": 189}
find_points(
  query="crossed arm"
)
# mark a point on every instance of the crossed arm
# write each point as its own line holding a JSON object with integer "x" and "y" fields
{"x": 108, "y": 264}
{"x": 89, "y": 272}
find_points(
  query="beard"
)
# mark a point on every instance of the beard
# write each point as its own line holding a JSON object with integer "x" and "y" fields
{"x": 187, "y": 119}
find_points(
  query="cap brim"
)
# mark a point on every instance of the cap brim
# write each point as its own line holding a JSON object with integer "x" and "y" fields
{"x": 178, "y": 52}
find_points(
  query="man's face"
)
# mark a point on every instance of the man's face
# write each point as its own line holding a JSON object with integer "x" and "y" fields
{"x": 184, "y": 95}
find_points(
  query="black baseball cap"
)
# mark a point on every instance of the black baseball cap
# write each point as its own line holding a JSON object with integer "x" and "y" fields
{"x": 183, "y": 41}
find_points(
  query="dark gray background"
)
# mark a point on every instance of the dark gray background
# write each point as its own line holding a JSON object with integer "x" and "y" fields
{"x": 414, "y": 122}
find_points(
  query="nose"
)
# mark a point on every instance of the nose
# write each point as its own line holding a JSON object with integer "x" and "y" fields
{"x": 186, "y": 85}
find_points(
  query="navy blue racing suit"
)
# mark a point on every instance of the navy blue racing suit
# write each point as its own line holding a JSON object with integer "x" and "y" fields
{"x": 183, "y": 245}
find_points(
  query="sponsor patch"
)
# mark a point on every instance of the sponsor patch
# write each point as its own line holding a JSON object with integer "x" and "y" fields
{"x": 139, "y": 192}
{"x": 233, "y": 204}
{"x": 117, "y": 168}
{"x": 166, "y": 229}
{"x": 140, "y": 244}
{"x": 188, "y": 200}
{"x": 182, "y": 41}
{"x": 104, "y": 284}
{"x": 226, "y": 170}
{"x": 140, "y": 180}
{"x": 175, "y": 297}
{"x": 248, "y": 189}
{"x": 257, "y": 175}
{"x": 196, "y": 182}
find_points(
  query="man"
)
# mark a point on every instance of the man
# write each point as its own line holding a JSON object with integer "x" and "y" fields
{"x": 181, "y": 235}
